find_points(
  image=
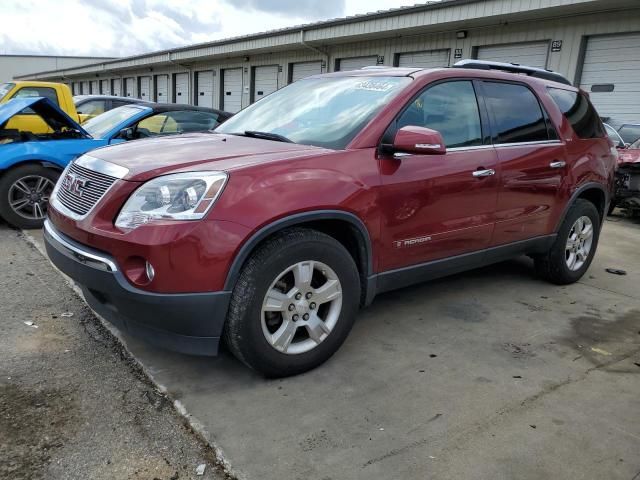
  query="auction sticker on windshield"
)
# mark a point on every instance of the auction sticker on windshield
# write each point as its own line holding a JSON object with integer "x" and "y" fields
{"x": 374, "y": 86}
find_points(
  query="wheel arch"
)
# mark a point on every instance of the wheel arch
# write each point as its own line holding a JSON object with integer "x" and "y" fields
{"x": 593, "y": 192}
{"x": 33, "y": 161}
{"x": 345, "y": 227}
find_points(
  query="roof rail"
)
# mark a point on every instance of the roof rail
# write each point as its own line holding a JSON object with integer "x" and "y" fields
{"x": 514, "y": 68}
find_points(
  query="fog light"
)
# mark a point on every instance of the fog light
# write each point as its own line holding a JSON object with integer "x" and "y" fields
{"x": 150, "y": 271}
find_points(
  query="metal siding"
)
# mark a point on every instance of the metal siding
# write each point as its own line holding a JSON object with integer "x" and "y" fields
{"x": 348, "y": 64}
{"x": 145, "y": 88}
{"x": 204, "y": 94}
{"x": 162, "y": 88}
{"x": 265, "y": 81}
{"x": 531, "y": 54}
{"x": 426, "y": 59}
{"x": 614, "y": 59}
{"x": 182, "y": 88}
{"x": 301, "y": 70}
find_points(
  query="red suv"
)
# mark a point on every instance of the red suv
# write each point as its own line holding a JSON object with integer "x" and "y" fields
{"x": 272, "y": 231}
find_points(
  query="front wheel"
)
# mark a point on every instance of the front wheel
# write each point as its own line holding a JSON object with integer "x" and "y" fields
{"x": 574, "y": 247}
{"x": 294, "y": 303}
{"x": 24, "y": 195}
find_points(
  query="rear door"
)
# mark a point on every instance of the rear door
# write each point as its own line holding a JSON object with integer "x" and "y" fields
{"x": 533, "y": 162}
{"x": 145, "y": 88}
{"x": 162, "y": 88}
{"x": 433, "y": 205}
{"x": 265, "y": 81}
{"x": 232, "y": 90}
{"x": 181, "y": 82}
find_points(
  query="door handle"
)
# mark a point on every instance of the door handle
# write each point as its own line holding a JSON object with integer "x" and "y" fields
{"x": 484, "y": 173}
{"x": 558, "y": 164}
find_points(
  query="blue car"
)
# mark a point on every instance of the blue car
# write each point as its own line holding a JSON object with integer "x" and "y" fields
{"x": 30, "y": 164}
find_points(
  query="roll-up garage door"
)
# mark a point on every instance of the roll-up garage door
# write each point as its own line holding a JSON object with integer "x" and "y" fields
{"x": 305, "y": 69}
{"x": 162, "y": 88}
{"x": 116, "y": 87}
{"x": 129, "y": 87}
{"x": 104, "y": 87}
{"x": 182, "y": 88}
{"x": 426, "y": 59}
{"x": 265, "y": 81}
{"x": 530, "y": 54}
{"x": 611, "y": 75}
{"x": 94, "y": 87}
{"x": 204, "y": 92}
{"x": 85, "y": 88}
{"x": 346, "y": 64}
{"x": 232, "y": 90}
{"x": 145, "y": 88}
{"x": 75, "y": 88}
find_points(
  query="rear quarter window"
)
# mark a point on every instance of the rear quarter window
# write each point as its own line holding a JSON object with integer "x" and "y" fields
{"x": 578, "y": 110}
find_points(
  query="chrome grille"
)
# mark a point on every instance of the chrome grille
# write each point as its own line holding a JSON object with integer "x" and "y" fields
{"x": 81, "y": 188}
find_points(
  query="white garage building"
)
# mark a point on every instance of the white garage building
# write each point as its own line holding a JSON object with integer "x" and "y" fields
{"x": 595, "y": 43}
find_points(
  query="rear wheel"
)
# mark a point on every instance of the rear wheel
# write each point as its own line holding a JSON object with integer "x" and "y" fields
{"x": 24, "y": 195}
{"x": 294, "y": 303}
{"x": 574, "y": 247}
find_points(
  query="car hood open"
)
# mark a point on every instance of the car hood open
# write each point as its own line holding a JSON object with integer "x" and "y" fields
{"x": 149, "y": 158}
{"x": 45, "y": 108}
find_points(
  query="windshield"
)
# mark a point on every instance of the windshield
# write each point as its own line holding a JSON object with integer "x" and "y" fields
{"x": 325, "y": 112}
{"x": 4, "y": 89}
{"x": 99, "y": 126}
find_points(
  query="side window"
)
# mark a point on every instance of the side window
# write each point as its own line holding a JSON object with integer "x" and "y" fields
{"x": 27, "y": 92}
{"x": 450, "y": 108}
{"x": 180, "y": 121}
{"x": 517, "y": 115}
{"x": 579, "y": 111}
{"x": 92, "y": 107}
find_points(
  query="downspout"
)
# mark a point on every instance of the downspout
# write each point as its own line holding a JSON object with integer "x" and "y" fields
{"x": 315, "y": 49}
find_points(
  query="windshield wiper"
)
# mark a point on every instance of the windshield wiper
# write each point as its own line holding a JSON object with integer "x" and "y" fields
{"x": 267, "y": 136}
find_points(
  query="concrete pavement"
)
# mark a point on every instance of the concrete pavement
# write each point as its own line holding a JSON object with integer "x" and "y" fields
{"x": 491, "y": 374}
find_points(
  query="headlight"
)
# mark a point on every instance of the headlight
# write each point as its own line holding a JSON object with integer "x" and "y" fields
{"x": 180, "y": 196}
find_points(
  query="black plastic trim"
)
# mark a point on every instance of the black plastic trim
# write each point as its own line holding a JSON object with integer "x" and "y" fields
{"x": 189, "y": 323}
{"x": 298, "y": 219}
{"x": 580, "y": 190}
{"x": 403, "y": 277}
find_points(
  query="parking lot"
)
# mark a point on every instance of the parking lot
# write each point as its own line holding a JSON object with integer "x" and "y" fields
{"x": 489, "y": 374}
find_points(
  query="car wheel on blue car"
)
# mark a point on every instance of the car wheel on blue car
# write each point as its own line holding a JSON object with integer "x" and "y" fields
{"x": 24, "y": 194}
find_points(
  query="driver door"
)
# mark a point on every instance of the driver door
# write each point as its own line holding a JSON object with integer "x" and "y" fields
{"x": 436, "y": 206}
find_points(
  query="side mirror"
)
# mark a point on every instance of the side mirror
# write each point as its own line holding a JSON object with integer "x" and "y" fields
{"x": 127, "y": 134}
{"x": 420, "y": 140}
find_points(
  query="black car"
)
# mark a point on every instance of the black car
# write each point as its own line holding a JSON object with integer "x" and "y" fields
{"x": 89, "y": 106}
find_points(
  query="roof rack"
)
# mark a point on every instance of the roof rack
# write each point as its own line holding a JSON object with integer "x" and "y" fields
{"x": 513, "y": 68}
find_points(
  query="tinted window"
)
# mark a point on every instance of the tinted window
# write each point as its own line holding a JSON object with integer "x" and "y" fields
{"x": 517, "y": 116}
{"x": 630, "y": 133}
{"x": 92, "y": 107}
{"x": 182, "y": 121}
{"x": 450, "y": 108}
{"x": 579, "y": 111}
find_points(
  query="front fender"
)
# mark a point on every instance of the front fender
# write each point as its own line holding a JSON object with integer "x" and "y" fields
{"x": 50, "y": 152}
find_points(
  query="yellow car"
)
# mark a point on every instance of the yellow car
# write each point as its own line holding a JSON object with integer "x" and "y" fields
{"x": 28, "y": 121}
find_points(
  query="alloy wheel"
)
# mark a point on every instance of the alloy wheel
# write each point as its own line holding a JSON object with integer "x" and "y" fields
{"x": 579, "y": 243}
{"x": 301, "y": 307}
{"x": 29, "y": 196}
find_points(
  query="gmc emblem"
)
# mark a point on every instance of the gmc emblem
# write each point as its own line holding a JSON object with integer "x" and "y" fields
{"x": 75, "y": 184}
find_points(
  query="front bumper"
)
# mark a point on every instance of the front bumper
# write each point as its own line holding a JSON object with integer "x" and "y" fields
{"x": 189, "y": 323}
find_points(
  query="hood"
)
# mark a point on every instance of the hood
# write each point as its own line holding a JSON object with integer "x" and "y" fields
{"x": 45, "y": 108}
{"x": 149, "y": 158}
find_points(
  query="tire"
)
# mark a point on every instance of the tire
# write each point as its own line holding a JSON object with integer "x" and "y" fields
{"x": 34, "y": 178}
{"x": 554, "y": 265}
{"x": 248, "y": 326}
